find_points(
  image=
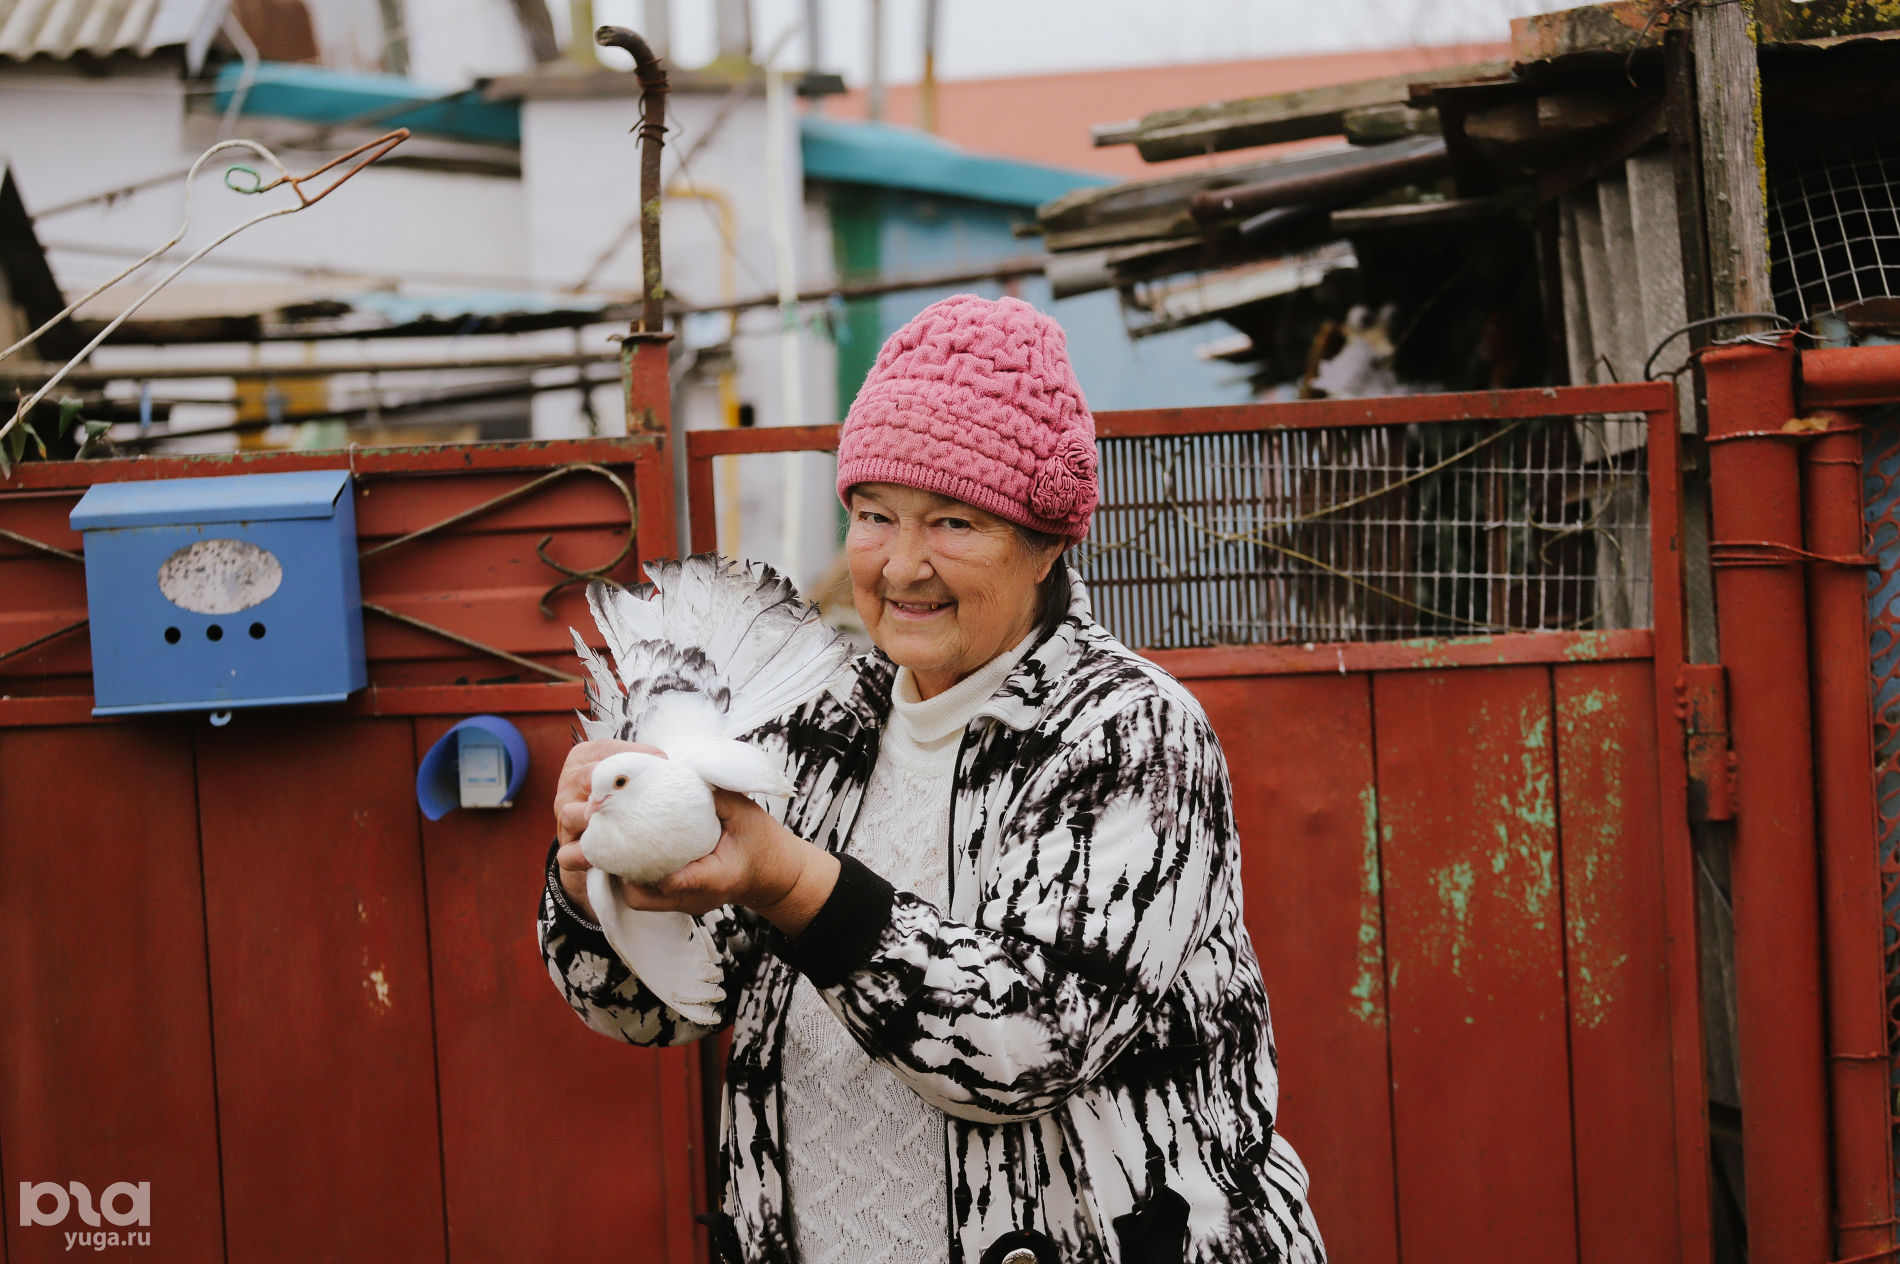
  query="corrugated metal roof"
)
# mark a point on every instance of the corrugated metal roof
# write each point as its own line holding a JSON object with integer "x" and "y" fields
{"x": 62, "y": 29}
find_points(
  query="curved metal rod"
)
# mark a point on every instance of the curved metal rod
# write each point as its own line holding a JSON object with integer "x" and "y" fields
{"x": 601, "y": 572}
{"x": 372, "y": 151}
{"x": 651, "y": 72}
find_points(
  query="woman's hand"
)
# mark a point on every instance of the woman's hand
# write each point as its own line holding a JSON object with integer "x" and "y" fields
{"x": 571, "y": 793}
{"x": 757, "y": 864}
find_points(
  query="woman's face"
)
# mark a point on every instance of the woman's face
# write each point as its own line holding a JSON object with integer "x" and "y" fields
{"x": 943, "y": 587}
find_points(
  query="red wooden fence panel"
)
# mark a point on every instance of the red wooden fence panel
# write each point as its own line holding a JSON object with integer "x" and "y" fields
{"x": 1299, "y": 750}
{"x": 320, "y": 990}
{"x": 1617, "y": 958}
{"x": 1475, "y": 969}
{"x": 395, "y": 1077}
{"x": 105, "y": 1064}
{"x": 554, "y": 1139}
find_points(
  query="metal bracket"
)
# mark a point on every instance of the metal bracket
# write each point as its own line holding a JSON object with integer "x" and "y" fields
{"x": 1702, "y": 706}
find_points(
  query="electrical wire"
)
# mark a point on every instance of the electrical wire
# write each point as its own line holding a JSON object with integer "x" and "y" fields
{"x": 371, "y": 151}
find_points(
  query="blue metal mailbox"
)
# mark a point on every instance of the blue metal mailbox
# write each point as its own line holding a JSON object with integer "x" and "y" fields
{"x": 212, "y": 593}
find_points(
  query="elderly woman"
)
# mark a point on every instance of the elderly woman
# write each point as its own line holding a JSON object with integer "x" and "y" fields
{"x": 990, "y": 992}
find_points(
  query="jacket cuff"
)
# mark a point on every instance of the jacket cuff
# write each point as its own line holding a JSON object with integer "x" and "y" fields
{"x": 846, "y": 929}
{"x": 559, "y": 892}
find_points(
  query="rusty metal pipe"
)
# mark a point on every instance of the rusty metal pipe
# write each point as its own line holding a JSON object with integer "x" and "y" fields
{"x": 1332, "y": 187}
{"x": 1760, "y": 590}
{"x": 1850, "y": 377}
{"x": 1840, "y": 671}
{"x": 651, "y": 72}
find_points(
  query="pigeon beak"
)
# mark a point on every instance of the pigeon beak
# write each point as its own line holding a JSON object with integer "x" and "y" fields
{"x": 593, "y": 805}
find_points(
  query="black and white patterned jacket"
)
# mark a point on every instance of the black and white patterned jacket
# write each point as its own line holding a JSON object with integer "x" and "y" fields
{"x": 1087, "y": 1013}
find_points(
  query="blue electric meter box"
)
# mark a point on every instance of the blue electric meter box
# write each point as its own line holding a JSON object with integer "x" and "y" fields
{"x": 206, "y": 594}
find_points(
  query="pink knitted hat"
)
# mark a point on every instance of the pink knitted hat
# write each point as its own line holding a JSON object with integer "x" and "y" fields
{"x": 975, "y": 400}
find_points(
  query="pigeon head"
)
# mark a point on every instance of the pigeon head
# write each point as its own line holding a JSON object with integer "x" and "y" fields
{"x": 618, "y": 774}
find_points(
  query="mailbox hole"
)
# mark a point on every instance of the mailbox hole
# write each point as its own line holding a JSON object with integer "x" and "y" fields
{"x": 214, "y": 633}
{"x": 257, "y": 631}
{"x": 172, "y": 636}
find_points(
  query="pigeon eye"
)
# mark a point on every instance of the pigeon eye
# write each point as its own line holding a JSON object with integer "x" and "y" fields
{"x": 620, "y": 783}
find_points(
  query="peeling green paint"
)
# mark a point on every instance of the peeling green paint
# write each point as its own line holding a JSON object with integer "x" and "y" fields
{"x": 1595, "y": 875}
{"x": 1454, "y": 883}
{"x": 1589, "y": 645}
{"x": 1585, "y": 704}
{"x": 1368, "y": 990}
{"x": 1524, "y": 860}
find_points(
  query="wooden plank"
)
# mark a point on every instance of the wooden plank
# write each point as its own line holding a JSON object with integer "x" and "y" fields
{"x": 500, "y": 1024}
{"x": 1617, "y": 957}
{"x": 320, "y": 990}
{"x": 105, "y": 1055}
{"x": 1300, "y": 754}
{"x": 1596, "y": 29}
{"x": 1269, "y": 120}
{"x": 1612, "y": 30}
{"x": 1474, "y": 951}
{"x": 1416, "y": 215}
{"x": 1376, "y": 124}
{"x": 1728, "y": 101}
{"x": 1823, "y": 22}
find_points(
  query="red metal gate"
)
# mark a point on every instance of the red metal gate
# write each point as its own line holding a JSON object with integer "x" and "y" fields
{"x": 316, "y": 1023}
{"x": 1467, "y": 870}
{"x": 241, "y": 966}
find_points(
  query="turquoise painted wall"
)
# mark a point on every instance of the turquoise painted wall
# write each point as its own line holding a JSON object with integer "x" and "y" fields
{"x": 890, "y": 232}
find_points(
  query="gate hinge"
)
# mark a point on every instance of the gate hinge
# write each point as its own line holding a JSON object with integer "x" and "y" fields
{"x": 1702, "y": 706}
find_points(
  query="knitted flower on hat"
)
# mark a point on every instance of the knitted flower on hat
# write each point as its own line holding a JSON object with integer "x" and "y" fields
{"x": 976, "y": 400}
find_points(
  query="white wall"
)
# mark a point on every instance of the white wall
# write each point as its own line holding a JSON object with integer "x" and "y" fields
{"x": 67, "y": 137}
{"x": 453, "y": 42}
{"x": 580, "y": 170}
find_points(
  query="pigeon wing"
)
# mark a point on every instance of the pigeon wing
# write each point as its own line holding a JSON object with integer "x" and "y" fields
{"x": 735, "y": 766}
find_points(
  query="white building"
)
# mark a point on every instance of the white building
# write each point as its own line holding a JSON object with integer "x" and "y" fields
{"x": 515, "y": 199}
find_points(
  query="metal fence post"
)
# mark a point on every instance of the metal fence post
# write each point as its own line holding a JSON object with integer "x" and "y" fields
{"x": 1761, "y": 616}
{"x": 1850, "y": 871}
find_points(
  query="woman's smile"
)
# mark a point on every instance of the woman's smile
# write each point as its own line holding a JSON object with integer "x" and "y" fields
{"x": 917, "y": 610}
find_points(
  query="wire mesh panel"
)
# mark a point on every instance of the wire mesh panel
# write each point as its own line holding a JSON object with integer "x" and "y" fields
{"x": 1834, "y": 232}
{"x": 1880, "y": 484}
{"x": 1371, "y": 533}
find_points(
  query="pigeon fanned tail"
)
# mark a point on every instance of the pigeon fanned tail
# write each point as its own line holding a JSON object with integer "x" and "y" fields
{"x": 733, "y": 641}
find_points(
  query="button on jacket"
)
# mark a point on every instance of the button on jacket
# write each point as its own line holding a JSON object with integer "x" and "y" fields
{"x": 1087, "y": 1012}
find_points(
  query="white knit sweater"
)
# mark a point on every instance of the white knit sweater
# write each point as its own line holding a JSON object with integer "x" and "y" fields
{"x": 867, "y": 1168}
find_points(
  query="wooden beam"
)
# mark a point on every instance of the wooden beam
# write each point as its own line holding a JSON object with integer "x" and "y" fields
{"x": 1618, "y": 27}
{"x": 1621, "y": 26}
{"x": 1376, "y": 124}
{"x": 1734, "y": 175}
{"x": 1284, "y": 116}
{"x": 1367, "y": 219}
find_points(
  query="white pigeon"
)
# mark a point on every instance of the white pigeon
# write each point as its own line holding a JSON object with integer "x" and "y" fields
{"x": 707, "y": 652}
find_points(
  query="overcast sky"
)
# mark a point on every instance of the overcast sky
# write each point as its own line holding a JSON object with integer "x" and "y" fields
{"x": 985, "y": 38}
